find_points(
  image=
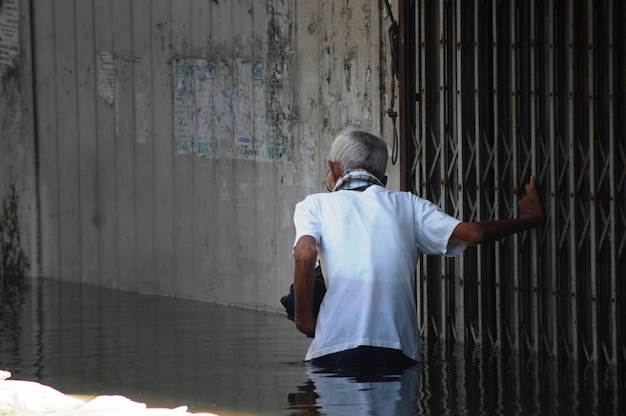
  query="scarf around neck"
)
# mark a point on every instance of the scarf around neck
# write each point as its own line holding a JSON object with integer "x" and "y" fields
{"x": 355, "y": 179}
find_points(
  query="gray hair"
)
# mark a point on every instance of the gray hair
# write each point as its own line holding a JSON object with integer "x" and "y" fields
{"x": 357, "y": 149}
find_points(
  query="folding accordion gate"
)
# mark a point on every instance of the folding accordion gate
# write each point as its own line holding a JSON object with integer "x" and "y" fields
{"x": 506, "y": 90}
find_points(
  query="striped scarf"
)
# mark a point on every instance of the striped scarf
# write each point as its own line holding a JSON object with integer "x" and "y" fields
{"x": 356, "y": 179}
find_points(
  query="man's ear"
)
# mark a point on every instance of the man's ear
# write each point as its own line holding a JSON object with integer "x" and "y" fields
{"x": 335, "y": 172}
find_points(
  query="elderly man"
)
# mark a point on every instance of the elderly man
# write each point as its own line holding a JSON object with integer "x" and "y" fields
{"x": 368, "y": 240}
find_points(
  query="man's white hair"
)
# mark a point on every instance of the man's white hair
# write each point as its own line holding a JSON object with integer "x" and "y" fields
{"x": 358, "y": 149}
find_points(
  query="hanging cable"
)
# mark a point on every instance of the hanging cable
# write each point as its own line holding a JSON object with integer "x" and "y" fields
{"x": 394, "y": 31}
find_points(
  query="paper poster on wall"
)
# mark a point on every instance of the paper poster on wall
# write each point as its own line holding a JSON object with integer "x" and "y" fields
{"x": 260, "y": 110}
{"x": 9, "y": 32}
{"x": 204, "y": 80}
{"x": 221, "y": 110}
{"x": 245, "y": 142}
{"x": 224, "y": 106}
{"x": 184, "y": 105}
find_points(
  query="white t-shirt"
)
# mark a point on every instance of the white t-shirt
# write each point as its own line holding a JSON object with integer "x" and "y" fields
{"x": 369, "y": 243}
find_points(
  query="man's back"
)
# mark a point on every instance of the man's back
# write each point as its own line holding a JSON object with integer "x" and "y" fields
{"x": 369, "y": 243}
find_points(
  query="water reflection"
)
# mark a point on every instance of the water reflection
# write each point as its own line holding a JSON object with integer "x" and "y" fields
{"x": 169, "y": 352}
{"x": 357, "y": 392}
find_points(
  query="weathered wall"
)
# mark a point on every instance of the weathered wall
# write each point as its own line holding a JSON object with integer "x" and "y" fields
{"x": 175, "y": 137}
{"x": 17, "y": 179}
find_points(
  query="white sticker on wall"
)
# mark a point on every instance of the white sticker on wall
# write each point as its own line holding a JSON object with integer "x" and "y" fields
{"x": 106, "y": 76}
{"x": 9, "y": 32}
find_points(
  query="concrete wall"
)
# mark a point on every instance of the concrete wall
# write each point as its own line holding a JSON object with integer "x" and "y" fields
{"x": 175, "y": 137}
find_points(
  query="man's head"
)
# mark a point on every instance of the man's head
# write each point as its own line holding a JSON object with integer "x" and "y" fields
{"x": 357, "y": 149}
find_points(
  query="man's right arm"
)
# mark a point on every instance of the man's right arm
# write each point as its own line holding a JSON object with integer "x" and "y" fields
{"x": 305, "y": 256}
{"x": 531, "y": 215}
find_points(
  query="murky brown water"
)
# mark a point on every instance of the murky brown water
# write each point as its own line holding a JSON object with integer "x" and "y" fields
{"x": 168, "y": 352}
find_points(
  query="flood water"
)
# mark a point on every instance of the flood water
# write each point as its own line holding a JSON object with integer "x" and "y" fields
{"x": 168, "y": 352}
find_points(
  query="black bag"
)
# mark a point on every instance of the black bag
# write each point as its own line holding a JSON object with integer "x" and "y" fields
{"x": 319, "y": 291}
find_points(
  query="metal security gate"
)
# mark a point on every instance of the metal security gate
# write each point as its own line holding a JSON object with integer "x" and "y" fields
{"x": 506, "y": 90}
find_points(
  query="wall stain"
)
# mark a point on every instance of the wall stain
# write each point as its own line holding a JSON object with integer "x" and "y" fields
{"x": 14, "y": 260}
{"x": 280, "y": 30}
